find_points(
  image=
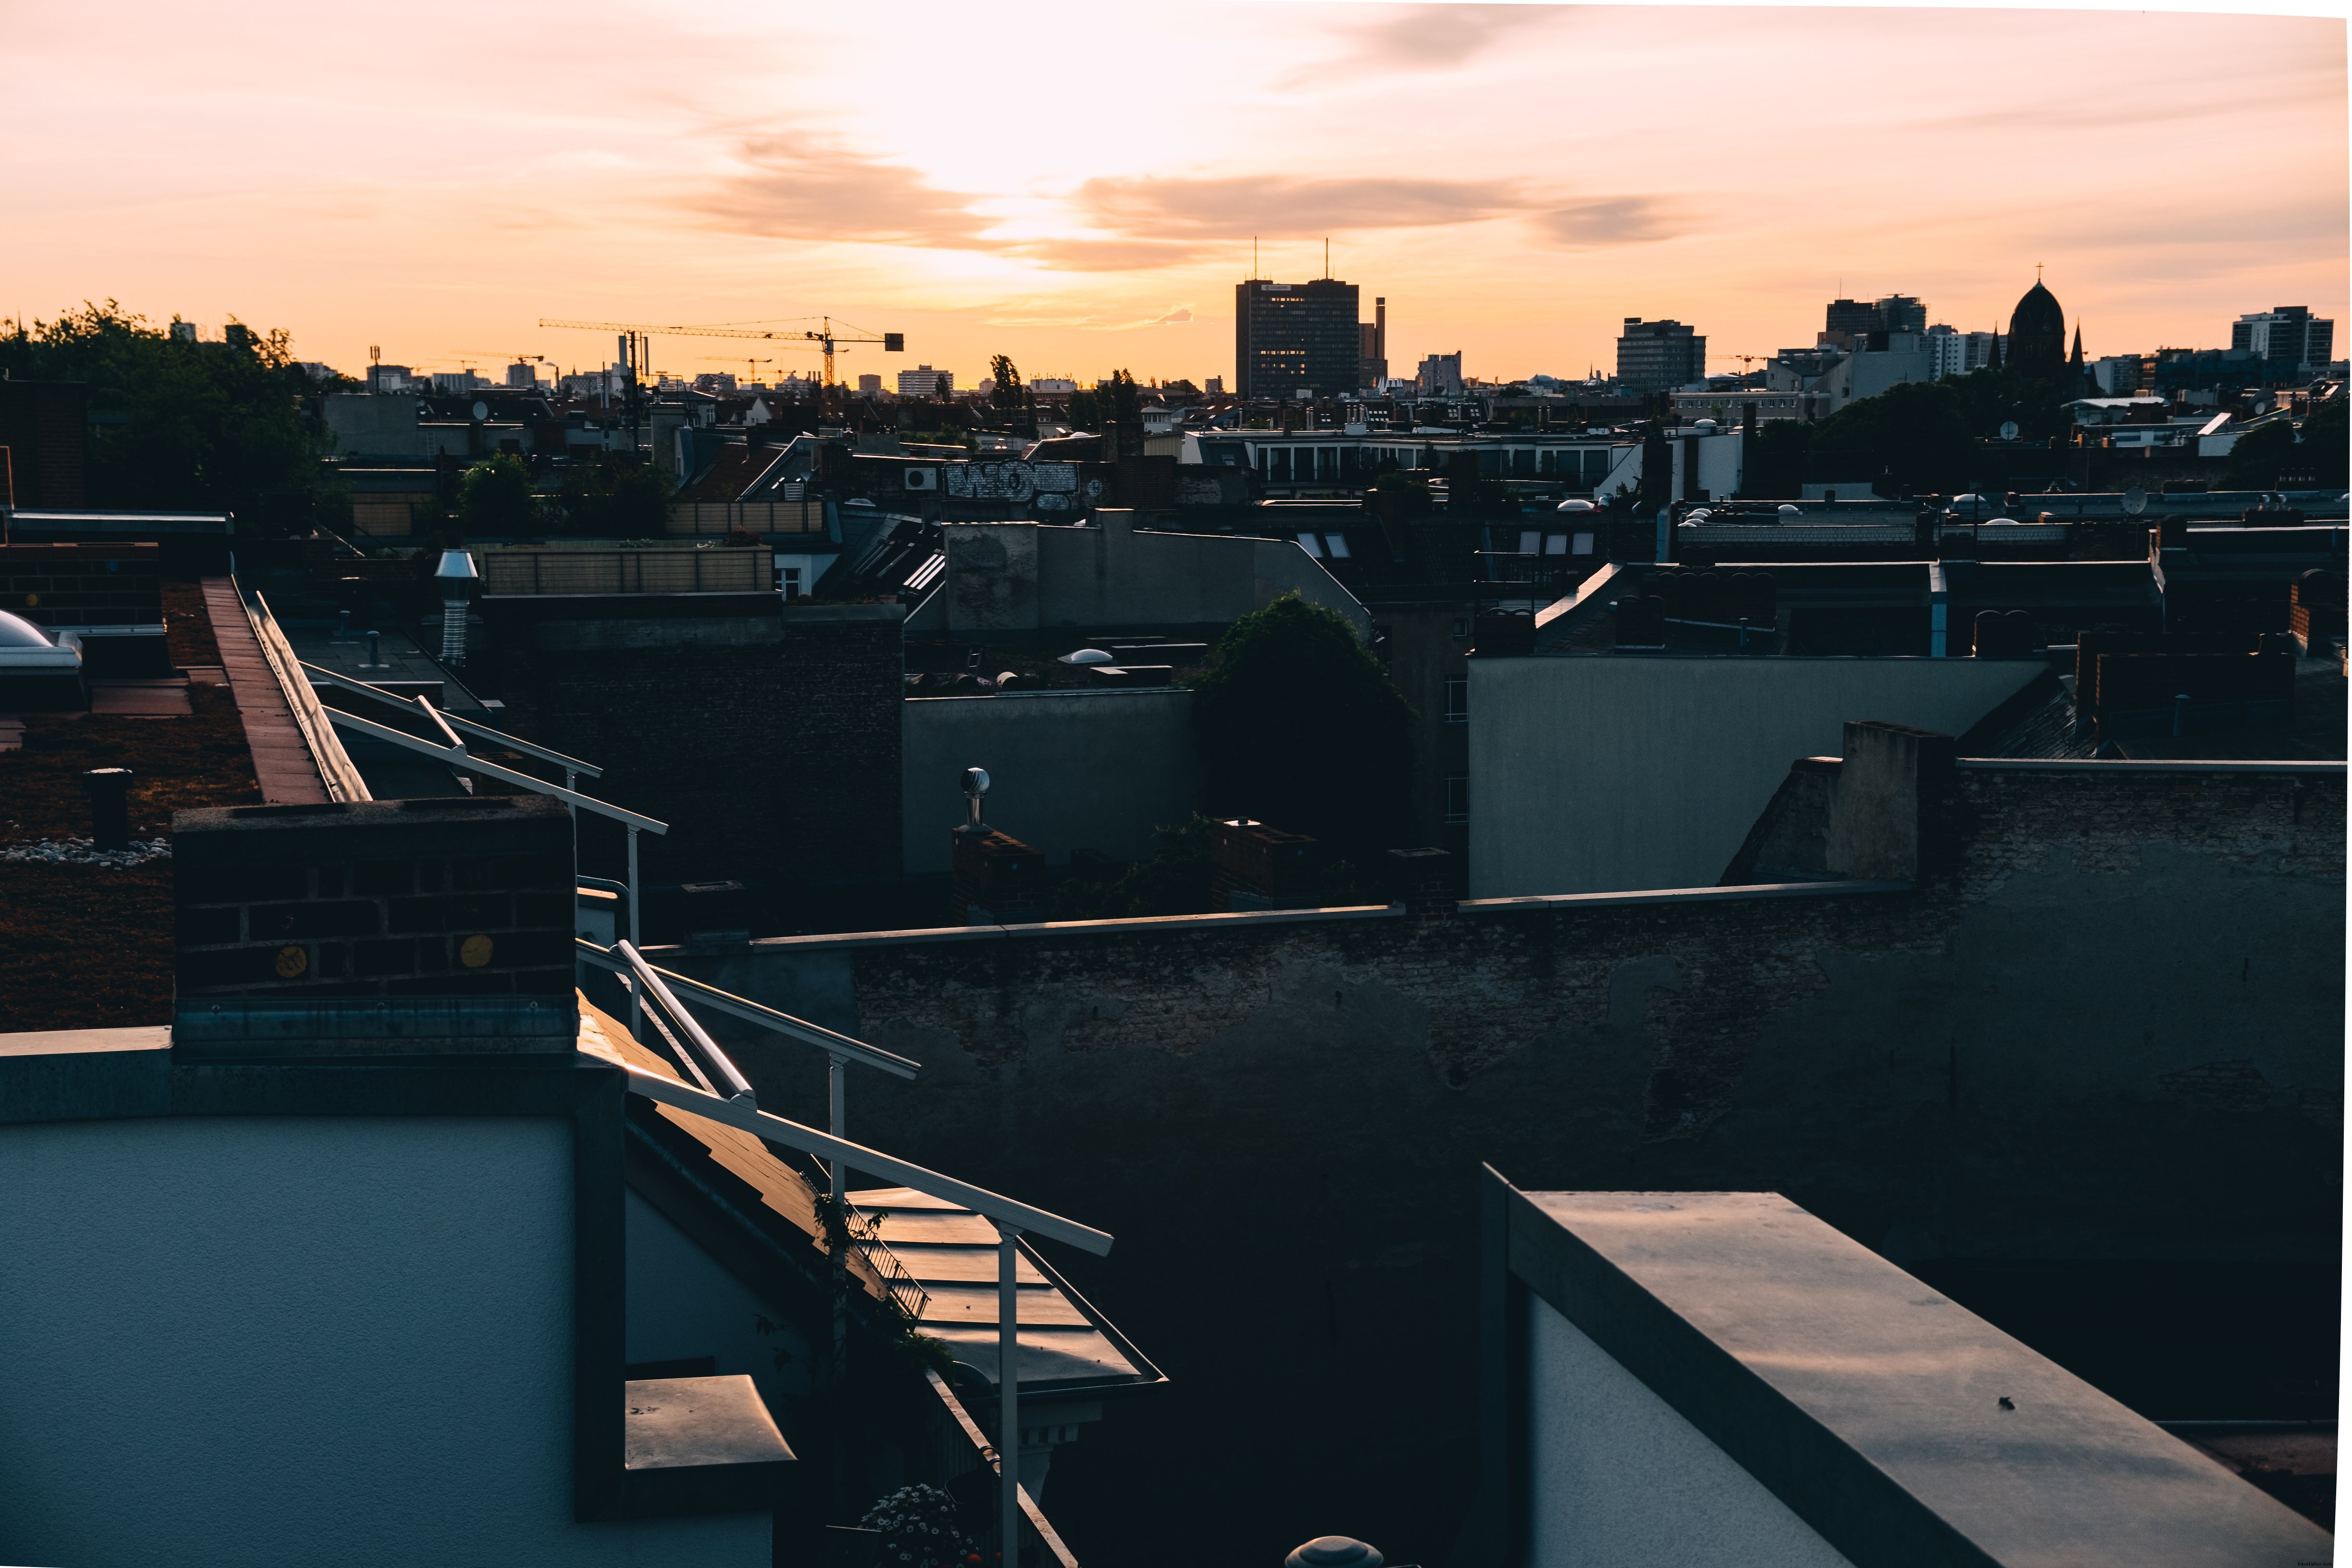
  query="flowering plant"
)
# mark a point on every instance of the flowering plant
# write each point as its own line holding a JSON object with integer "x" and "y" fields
{"x": 917, "y": 1526}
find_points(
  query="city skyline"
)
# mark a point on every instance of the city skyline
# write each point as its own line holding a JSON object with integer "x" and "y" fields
{"x": 1508, "y": 177}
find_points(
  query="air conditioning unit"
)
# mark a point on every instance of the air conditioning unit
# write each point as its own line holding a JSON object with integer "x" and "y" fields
{"x": 922, "y": 479}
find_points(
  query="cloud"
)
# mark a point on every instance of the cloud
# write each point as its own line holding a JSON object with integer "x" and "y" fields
{"x": 1601, "y": 221}
{"x": 1430, "y": 38}
{"x": 1102, "y": 255}
{"x": 1178, "y": 317}
{"x": 812, "y": 190}
{"x": 1248, "y": 204}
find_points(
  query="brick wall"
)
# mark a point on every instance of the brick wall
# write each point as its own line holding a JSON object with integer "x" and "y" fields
{"x": 66, "y": 585}
{"x": 389, "y": 898}
{"x": 769, "y": 743}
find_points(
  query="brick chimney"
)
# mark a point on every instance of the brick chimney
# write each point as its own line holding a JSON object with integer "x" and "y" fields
{"x": 1882, "y": 815}
{"x": 1254, "y": 867}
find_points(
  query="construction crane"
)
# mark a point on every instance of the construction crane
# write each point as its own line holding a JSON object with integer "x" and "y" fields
{"x": 515, "y": 358}
{"x": 750, "y": 366}
{"x": 634, "y": 336}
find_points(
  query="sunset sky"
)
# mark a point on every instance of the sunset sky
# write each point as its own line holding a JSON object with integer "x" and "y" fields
{"x": 1077, "y": 186}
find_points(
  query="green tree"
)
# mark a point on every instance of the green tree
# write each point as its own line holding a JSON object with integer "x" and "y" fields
{"x": 232, "y": 426}
{"x": 1912, "y": 436}
{"x": 2260, "y": 454}
{"x": 614, "y": 497}
{"x": 1298, "y": 725}
{"x": 1986, "y": 399}
{"x": 1117, "y": 398}
{"x": 1124, "y": 399}
{"x": 2327, "y": 450}
{"x": 1009, "y": 394}
{"x": 1774, "y": 462}
{"x": 495, "y": 497}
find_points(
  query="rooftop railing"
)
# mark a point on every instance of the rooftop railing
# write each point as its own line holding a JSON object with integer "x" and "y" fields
{"x": 738, "y": 1106}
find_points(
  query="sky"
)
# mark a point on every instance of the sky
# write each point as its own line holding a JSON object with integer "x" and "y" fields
{"x": 1080, "y": 187}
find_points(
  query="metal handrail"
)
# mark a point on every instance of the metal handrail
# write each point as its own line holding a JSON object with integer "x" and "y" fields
{"x": 464, "y": 760}
{"x": 738, "y": 1088}
{"x": 336, "y": 770}
{"x": 480, "y": 732}
{"x": 995, "y": 1461}
{"x": 774, "y": 1128}
{"x": 752, "y": 1011}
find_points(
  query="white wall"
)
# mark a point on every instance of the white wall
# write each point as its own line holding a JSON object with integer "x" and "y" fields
{"x": 250, "y": 1342}
{"x": 1618, "y": 1478}
{"x": 1067, "y": 769}
{"x": 683, "y": 1304}
{"x": 1621, "y": 772}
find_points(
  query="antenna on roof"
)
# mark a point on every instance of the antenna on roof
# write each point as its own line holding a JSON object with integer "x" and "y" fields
{"x": 1327, "y": 256}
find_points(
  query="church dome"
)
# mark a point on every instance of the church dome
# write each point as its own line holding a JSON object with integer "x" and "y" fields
{"x": 2038, "y": 311}
{"x": 2037, "y": 335}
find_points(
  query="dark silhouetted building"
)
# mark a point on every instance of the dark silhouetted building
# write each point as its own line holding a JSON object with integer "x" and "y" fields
{"x": 1290, "y": 338}
{"x": 2037, "y": 336}
{"x": 1658, "y": 356}
{"x": 1900, "y": 313}
{"x": 1373, "y": 337}
{"x": 1851, "y": 317}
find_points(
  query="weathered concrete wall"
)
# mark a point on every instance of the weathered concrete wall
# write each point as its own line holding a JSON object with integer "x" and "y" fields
{"x": 1589, "y": 774}
{"x": 2115, "y": 1016}
{"x": 1030, "y": 576}
{"x": 1067, "y": 769}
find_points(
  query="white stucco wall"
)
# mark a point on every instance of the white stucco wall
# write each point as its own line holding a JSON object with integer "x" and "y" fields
{"x": 1618, "y": 1478}
{"x": 1067, "y": 769}
{"x": 252, "y": 1341}
{"x": 683, "y": 1304}
{"x": 1619, "y": 772}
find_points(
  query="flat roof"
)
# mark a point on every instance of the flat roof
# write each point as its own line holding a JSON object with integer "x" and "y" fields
{"x": 1900, "y": 1426}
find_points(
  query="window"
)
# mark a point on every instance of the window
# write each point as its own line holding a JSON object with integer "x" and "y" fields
{"x": 1339, "y": 545}
{"x": 792, "y": 582}
{"x": 1460, "y": 625}
{"x": 1457, "y": 699}
{"x": 1530, "y": 543}
{"x": 1581, "y": 546}
{"x": 1306, "y": 542}
{"x": 1457, "y": 799}
{"x": 1555, "y": 545}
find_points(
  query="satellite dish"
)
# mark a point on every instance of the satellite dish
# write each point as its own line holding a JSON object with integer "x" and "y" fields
{"x": 2135, "y": 500}
{"x": 2008, "y": 429}
{"x": 481, "y": 410}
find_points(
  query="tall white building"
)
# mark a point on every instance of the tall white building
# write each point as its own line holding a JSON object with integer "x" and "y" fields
{"x": 924, "y": 382}
{"x": 1440, "y": 375}
{"x": 2287, "y": 333}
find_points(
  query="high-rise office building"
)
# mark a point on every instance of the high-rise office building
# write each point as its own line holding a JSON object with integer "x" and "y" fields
{"x": 1374, "y": 354}
{"x": 1294, "y": 338}
{"x": 1851, "y": 317}
{"x": 924, "y": 382}
{"x": 1900, "y": 313}
{"x": 2288, "y": 333}
{"x": 1659, "y": 356}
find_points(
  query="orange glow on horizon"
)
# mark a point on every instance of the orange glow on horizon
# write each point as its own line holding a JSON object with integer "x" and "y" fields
{"x": 1079, "y": 188}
